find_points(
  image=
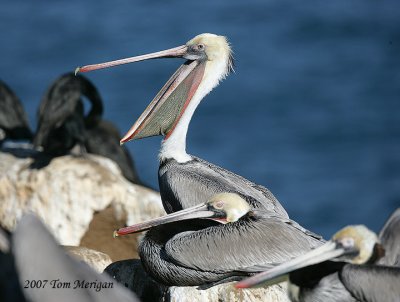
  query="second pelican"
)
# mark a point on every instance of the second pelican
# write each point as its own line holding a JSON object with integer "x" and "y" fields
{"x": 181, "y": 249}
{"x": 343, "y": 269}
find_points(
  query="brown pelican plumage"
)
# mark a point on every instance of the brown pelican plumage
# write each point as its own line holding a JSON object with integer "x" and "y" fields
{"x": 186, "y": 180}
{"x": 343, "y": 269}
{"x": 13, "y": 121}
{"x": 187, "y": 248}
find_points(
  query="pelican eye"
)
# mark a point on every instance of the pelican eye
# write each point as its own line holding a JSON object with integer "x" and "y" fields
{"x": 200, "y": 46}
{"x": 347, "y": 242}
{"x": 219, "y": 204}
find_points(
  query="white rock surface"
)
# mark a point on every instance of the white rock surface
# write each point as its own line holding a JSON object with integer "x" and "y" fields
{"x": 67, "y": 192}
{"x": 228, "y": 293}
{"x": 132, "y": 275}
{"x": 95, "y": 259}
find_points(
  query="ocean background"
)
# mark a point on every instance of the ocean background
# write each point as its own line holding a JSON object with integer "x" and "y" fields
{"x": 312, "y": 112}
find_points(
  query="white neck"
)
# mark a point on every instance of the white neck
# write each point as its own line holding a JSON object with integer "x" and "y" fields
{"x": 175, "y": 145}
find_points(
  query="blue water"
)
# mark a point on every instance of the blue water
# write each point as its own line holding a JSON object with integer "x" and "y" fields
{"x": 312, "y": 112}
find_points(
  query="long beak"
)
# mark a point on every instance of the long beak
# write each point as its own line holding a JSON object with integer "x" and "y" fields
{"x": 199, "y": 211}
{"x": 176, "y": 52}
{"x": 328, "y": 251}
{"x": 165, "y": 110}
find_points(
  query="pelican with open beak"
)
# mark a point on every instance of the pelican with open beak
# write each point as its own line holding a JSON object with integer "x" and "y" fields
{"x": 206, "y": 62}
{"x": 185, "y": 180}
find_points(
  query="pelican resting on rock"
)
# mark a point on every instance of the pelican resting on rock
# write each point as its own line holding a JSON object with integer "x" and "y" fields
{"x": 185, "y": 180}
{"x": 343, "y": 269}
{"x": 188, "y": 248}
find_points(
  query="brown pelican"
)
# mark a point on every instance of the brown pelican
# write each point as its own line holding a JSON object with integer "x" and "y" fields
{"x": 62, "y": 124}
{"x": 13, "y": 121}
{"x": 341, "y": 270}
{"x": 181, "y": 249}
{"x": 186, "y": 180}
{"x": 35, "y": 268}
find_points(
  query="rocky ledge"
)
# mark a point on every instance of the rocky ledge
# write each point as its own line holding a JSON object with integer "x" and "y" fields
{"x": 131, "y": 274}
{"x": 75, "y": 195}
{"x": 68, "y": 191}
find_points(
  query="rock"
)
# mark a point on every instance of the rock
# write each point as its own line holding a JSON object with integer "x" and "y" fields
{"x": 99, "y": 236}
{"x": 131, "y": 274}
{"x": 228, "y": 293}
{"x": 95, "y": 259}
{"x": 68, "y": 191}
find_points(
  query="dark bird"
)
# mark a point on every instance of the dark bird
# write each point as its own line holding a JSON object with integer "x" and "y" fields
{"x": 103, "y": 139}
{"x": 186, "y": 248}
{"x": 186, "y": 180}
{"x": 343, "y": 269}
{"x": 13, "y": 121}
{"x": 40, "y": 270}
{"x": 63, "y": 124}
{"x": 61, "y": 120}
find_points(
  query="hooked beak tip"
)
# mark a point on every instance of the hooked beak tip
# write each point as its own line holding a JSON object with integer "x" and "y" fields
{"x": 115, "y": 234}
{"x": 128, "y": 137}
{"x": 124, "y": 140}
{"x": 77, "y": 70}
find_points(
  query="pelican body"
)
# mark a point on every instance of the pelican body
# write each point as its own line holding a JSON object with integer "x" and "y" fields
{"x": 346, "y": 268}
{"x": 185, "y": 180}
{"x": 186, "y": 248}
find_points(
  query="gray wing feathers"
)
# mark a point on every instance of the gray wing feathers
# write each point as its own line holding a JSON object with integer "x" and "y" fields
{"x": 240, "y": 246}
{"x": 38, "y": 257}
{"x": 372, "y": 283}
{"x": 197, "y": 181}
{"x": 390, "y": 239}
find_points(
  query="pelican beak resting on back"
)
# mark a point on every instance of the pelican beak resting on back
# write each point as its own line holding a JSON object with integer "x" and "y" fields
{"x": 353, "y": 244}
{"x": 223, "y": 207}
{"x": 209, "y": 60}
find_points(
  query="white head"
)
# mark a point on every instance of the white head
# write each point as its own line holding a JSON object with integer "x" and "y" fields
{"x": 356, "y": 238}
{"x": 231, "y": 204}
